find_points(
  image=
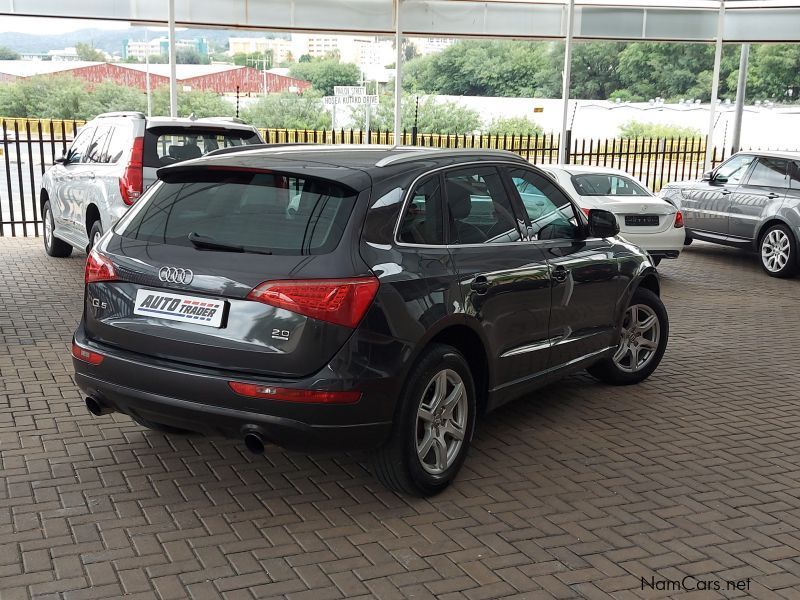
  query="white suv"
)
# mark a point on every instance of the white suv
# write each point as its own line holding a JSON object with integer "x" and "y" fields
{"x": 112, "y": 160}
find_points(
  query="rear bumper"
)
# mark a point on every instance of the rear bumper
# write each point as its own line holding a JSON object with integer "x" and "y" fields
{"x": 204, "y": 403}
{"x": 667, "y": 244}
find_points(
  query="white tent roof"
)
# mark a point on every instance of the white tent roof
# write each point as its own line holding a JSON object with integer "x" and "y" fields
{"x": 689, "y": 20}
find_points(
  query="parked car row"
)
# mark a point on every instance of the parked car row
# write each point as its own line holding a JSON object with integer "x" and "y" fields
{"x": 356, "y": 297}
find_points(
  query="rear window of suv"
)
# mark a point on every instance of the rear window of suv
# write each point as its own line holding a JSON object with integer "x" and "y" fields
{"x": 256, "y": 211}
{"x": 169, "y": 145}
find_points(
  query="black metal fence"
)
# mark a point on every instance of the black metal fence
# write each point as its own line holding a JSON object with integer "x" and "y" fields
{"x": 30, "y": 146}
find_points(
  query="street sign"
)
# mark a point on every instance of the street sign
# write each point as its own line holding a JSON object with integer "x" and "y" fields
{"x": 349, "y": 90}
{"x": 351, "y": 100}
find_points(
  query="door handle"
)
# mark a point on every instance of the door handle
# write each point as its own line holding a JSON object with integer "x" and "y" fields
{"x": 773, "y": 195}
{"x": 480, "y": 285}
{"x": 560, "y": 273}
{"x": 725, "y": 192}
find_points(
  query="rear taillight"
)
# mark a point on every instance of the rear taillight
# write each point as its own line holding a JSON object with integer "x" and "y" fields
{"x": 268, "y": 392}
{"x": 586, "y": 211}
{"x": 99, "y": 268}
{"x": 678, "y": 220}
{"x": 339, "y": 301}
{"x": 85, "y": 355}
{"x": 131, "y": 183}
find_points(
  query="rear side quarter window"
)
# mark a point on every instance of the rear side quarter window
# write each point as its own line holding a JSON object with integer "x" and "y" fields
{"x": 422, "y": 221}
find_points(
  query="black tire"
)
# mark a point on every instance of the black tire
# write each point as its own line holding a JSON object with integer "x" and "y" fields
{"x": 160, "y": 427}
{"x": 610, "y": 371}
{"x": 52, "y": 245}
{"x": 687, "y": 241}
{"x": 778, "y": 241}
{"x": 95, "y": 231}
{"x": 397, "y": 463}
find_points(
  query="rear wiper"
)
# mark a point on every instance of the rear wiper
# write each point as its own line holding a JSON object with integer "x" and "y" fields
{"x": 203, "y": 241}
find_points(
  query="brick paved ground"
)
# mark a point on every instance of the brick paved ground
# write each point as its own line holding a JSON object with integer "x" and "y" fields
{"x": 577, "y": 492}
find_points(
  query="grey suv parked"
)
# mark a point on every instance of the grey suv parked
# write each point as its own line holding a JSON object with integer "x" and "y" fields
{"x": 112, "y": 160}
{"x": 358, "y": 297}
{"x": 750, "y": 201}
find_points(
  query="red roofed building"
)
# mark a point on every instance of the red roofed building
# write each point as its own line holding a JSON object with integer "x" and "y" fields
{"x": 221, "y": 79}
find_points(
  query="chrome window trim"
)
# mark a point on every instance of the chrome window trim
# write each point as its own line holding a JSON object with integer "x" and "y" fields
{"x": 413, "y": 187}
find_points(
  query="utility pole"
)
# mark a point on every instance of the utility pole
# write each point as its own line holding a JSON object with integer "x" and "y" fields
{"x": 147, "y": 72}
{"x": 173, "y": 77}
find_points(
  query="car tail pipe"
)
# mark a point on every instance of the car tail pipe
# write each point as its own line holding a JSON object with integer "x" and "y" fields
{"x": 97, "y": 407}
{"x": 254, "y": 441}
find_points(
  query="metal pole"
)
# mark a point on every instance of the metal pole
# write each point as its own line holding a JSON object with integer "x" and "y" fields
{"x": 264, "y": 73}
{"x": 173, "y": 84}
{"x": 563, "y": 150}
{"x": 147, "y": 71}
{"x": 715, "y": 85}
{"x": 398, "y": 88}
{"x": 741, "y": 89}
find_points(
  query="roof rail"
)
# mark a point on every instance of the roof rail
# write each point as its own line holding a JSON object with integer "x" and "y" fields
{"x": 411, "y": 153}
{"x": 122, "y": 113}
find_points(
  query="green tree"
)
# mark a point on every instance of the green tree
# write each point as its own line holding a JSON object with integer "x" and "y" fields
{"x": 253, "y": 59}
{"x": 87, "y": 52}
{"x": 190, "y": 56}
{"x": 288, "y": 111}
{"x": 773, "y": 73}
{"x": 514, "y": 126}
{"x": 198, "y": 103}
{"x": 108, "y": 96}
{"x": 325, "y": 74}
{"x": 7, "y": 53}
{"x": 638, "y": 129}
{"x": 434, "y": 116}
{"x": 485, "y": 68}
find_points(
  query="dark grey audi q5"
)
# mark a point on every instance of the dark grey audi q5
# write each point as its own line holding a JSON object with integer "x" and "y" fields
{"x": 358, "y": 297}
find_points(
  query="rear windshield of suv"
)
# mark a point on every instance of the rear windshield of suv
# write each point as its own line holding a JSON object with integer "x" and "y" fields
{"x": 169, "y": 145}
{"x": 255, "y": 211}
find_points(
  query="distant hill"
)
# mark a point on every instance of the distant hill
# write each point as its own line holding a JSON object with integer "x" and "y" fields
{"x": 111, "y": 40}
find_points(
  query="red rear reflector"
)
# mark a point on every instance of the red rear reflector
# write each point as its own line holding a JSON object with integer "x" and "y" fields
{"x": 678, "y": 220}
{"x": 87, "y": 356}
{"x": 131, "y": 183}
{"x": 99, "y": 268}
{"x": 268, "y": 392}
{"x": 339, "y": 301}
{"x": 586, "y": 211}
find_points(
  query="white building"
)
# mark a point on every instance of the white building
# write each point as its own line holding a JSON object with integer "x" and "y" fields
{"x": 281, "y": 49}
{"x": 140, "y": 49}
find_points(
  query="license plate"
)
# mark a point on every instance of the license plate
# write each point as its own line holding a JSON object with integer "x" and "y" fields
{"x": 177, "y": 307}
{"x": 641, "y": 220}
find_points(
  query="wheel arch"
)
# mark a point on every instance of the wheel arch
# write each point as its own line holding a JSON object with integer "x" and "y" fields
{"x": 44, "y": 197}
{"x": 762, "y": 229}
{"x": 92, "y": 215}
{"x": 465, "y": 337}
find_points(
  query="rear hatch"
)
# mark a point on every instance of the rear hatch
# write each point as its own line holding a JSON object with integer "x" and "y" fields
{"x": 181, "y": 278}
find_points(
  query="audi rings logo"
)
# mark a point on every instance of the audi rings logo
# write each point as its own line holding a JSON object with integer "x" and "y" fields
{"x": 175, "y": 275}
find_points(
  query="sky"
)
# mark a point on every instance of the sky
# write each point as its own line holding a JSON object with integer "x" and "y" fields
{"x": 38, "y": 25}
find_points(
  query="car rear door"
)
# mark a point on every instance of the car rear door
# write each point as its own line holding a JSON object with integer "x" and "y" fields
{"x": 706, "y": 204}
{"x": 504, "y": 281}
{"x": 586, "y": 281}
{"x": 760, "y": 195}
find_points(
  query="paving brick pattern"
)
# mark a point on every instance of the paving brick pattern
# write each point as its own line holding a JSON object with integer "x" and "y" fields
{"x": 578, "y": 492}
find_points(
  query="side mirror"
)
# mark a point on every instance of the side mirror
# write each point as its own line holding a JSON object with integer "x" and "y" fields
{"x": 602, "y": 223}
{"x": 63, "y": 159}
{"x": 708, "y": 175}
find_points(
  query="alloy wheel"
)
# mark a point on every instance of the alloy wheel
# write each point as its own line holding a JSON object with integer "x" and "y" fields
{"x": 441, "y": 421}
{"x": 775, "y": 250}
{"x": 641, "y": 333}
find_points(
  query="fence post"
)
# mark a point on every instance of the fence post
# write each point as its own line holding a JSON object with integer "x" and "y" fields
{"x": 567, "y": 141}
{"x": 414, "y": 135}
